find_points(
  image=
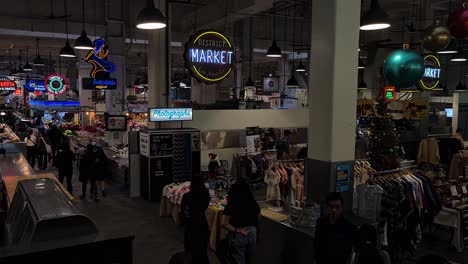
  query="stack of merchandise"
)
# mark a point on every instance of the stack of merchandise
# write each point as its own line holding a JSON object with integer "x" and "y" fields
{"x": 175, "y": 191}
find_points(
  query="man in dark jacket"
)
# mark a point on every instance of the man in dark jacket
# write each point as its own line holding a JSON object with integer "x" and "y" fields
{"x": 333, "y": 234}
{"x": 56, "y": 137}
{"x": 64, "y": 159}
{"x": 93, "y": 168}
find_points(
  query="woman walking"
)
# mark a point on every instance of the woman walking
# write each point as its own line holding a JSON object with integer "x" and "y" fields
{"x": 42, "y": 150}
{"x": 192, "y": 210}
{"x": 241, "y": 220}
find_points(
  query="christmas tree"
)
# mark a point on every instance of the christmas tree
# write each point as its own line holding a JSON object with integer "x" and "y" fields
{"x": 385, "y": 151}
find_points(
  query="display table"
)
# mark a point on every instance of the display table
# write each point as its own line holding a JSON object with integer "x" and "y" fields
{"x": 213, "y": 216}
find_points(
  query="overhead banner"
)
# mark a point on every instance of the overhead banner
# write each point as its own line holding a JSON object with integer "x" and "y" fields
{"x": 95, "y": 84}
{"x": 431, "y": 74}
{"x": 365, "y": 107}
{"x": 35, "y": 86}
{"x": 209, "y": 56}
{"x": 416, "y": 109}
{"x": 170, "y": 114}
{"x": 56, "y": 84}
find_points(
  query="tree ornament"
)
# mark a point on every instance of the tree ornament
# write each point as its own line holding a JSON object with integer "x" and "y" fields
{"x": 436, "y": 37}
{"x": 458, "y": 23}
{"x": 403, "y": 68}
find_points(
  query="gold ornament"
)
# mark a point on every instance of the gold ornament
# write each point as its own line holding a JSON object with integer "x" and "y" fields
{"x": 437, "y": 37}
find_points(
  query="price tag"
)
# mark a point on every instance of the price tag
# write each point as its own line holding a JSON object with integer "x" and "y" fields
{"x": 453, "y": 190}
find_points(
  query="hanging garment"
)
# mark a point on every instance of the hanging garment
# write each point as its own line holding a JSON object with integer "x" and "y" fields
{"x": 300, "y": 187}
{"x": 429, "y": 151}
{"x": 272, "y": 179}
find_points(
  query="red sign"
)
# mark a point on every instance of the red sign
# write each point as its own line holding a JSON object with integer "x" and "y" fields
{"x": 389, "y": 93}
{"x": 18, "y": 92}
{"x": 6, "y": 84}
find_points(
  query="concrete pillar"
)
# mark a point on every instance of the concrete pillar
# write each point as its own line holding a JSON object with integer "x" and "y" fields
{"x": 158, "y": 65}
{"x": 84, "y": 95}
{"x": 332, "y": 100}
{"x": 115, "y": 98}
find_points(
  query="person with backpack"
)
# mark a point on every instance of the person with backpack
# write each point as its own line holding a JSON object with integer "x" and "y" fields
{"x": 31, "y": 148}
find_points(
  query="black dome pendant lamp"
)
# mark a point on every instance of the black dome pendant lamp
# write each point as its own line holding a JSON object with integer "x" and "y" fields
{"x": 38, "y": 61}
{"x": 150, "y": 17}
{"x": 67, "y": 50}
{"x": 83, "y": 42}
{"x": 274, "y": 51}
{"x": 375, "y": 18}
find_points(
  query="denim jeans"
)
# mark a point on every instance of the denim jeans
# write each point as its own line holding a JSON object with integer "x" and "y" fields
{"x": 242, "y": 248}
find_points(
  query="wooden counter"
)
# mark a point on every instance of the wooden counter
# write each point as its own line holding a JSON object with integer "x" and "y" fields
{"x": 13, "y": 168}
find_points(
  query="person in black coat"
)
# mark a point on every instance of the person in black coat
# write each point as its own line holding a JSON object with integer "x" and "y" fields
{"x": 192, "y": 210}
{"x": 93, "y": 168}
{"x": 56, "y": 137}
{"x": 64, "y": 159}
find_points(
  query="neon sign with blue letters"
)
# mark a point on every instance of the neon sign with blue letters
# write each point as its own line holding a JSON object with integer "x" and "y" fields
{"x": 209, "y": 56}
{"x": 35, "y": 86}
{"x": 431, "y": 75}
{"x": 170, "y": 114}
{"x": 96, "y": 84}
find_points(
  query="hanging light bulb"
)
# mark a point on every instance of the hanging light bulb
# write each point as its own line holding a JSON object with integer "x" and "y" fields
{"x": 361, "y": 65}
{"x": 459, "y": 56}
{"x": 301, "y": 67}
{"x": 274, "y": 51}
{"x": 375, "y": 18}
{"x": 150, "y": 17}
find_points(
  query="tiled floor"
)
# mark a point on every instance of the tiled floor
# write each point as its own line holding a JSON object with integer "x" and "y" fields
{"x": 157, "y": 239}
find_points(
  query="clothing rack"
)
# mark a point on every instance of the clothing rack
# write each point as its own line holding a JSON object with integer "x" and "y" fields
{"x": 394, "y": 170}
{"x": 291, "y": 160}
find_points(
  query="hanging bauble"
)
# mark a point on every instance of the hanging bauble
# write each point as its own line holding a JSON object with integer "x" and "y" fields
{"x": 403, "y": 68}
{"x": 436, "y": 37}
{"x": 458, "y": 23}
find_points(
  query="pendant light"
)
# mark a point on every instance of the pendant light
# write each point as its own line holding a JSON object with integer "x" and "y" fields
{"x": 459, "y": 56}
{"x": 20, "y": 70}
{"x": 27, "y": 67}
{"x": 249, "y": 84}
{"x": 301, "y": 67}
{"x": 361, "y": 64}
{"x": 67, "y": 50}
{"x": 292, "y": 82}
{"x": 83, "y": 42}
{"x": 150, "y": 17}
{"x": 38, "y": 61}
{"x": 450, "y": 49}
{"x": 375, "y": 18}
{"x": 274, "y": 51}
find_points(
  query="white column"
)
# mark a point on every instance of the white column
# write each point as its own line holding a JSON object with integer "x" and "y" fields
{"x": 332, "y": 97}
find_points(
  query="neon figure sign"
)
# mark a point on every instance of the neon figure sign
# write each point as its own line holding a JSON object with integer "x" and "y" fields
{"x": 209, "y": 56}
{"x": 98, "y": 58}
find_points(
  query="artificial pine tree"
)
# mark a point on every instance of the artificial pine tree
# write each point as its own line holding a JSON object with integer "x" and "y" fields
{"x": 385, "y": 151}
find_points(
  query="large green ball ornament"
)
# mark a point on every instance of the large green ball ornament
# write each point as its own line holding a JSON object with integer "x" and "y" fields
{"x": 403, "y": 68}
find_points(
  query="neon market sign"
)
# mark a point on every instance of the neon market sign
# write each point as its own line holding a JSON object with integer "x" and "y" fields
{"x": 7, "y": 85}
{"x": 35, "y": 86}
{"x": 209, "y": 56}
{"x": 96, "y": 84}
{"x": 170, "y": 114}
{"x": 431, "y": 75}
{"x": 56, "y": 84}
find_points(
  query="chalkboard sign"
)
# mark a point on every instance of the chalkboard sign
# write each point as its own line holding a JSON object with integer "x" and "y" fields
{"x": 161, "y": 145}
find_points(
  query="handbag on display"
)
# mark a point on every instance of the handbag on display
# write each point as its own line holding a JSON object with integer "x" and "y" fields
{"x": 306, "y": 216}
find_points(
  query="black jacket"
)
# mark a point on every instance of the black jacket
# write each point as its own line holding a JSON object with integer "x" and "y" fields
{"x": 64, "y": 160}
{"x": 333, "y": 242}
{"x": 93, "y": 165}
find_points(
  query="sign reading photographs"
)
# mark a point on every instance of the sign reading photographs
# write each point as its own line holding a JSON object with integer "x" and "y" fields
{"x": 431, "y": 74}
{"x": 35, "y": 86}
{"x": 96, "y": 84}
{"x": 170, "y": 114}
{"x": 209, "y": 56}
{"x": 56, "y": 84}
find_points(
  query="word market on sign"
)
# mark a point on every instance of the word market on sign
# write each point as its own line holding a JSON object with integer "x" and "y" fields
{"x": 209, "y": 56}
{"x": 170, "y": 114}
{"x": 431, "y": 75}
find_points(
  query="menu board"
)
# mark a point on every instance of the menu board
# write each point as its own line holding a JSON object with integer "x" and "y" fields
{"x": 161, "y": 145}
{"x": 144, "y": 144}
